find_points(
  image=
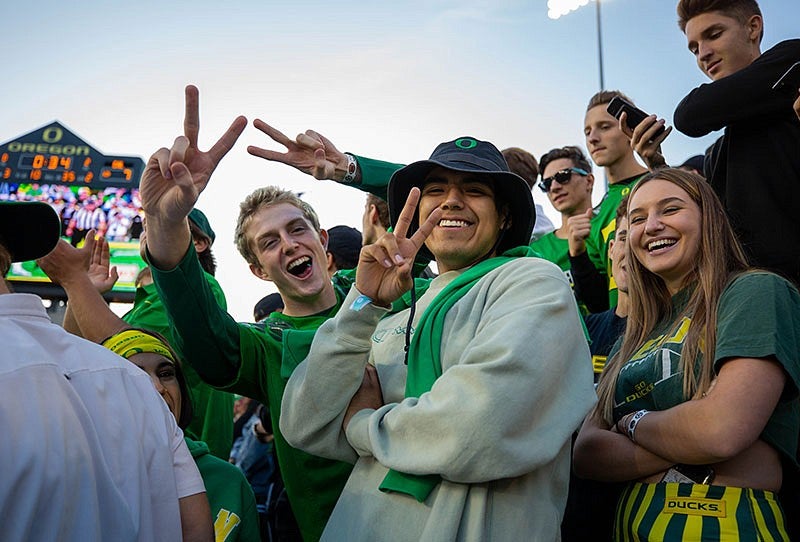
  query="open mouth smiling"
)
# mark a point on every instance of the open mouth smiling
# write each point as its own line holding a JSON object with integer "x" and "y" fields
{"x": 453, "y": 223}
{"x": 660, "y": 243}
{"x": 301, "y": 267}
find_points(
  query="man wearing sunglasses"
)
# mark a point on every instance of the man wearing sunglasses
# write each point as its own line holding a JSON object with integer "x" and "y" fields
{"x": 567, "y": 180}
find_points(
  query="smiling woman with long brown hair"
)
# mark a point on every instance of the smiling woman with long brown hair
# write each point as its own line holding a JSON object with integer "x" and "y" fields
{"x": 698, "y": 406}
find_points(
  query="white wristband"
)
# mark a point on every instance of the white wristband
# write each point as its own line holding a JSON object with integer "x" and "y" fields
{"x": 635, "y": 419}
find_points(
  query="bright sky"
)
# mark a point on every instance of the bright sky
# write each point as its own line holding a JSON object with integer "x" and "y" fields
{"x": 388, "y": 80}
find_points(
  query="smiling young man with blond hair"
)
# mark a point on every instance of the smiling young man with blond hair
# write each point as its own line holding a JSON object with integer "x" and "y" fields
{"x": 279, "y": 236}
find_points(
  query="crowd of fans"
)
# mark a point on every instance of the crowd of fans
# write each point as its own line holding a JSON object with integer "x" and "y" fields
{"x": 114, "y": 212}
{"x": 631, "y": 373}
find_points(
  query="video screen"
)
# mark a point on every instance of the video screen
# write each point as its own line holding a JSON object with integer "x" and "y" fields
{"x": 115, "y": 212}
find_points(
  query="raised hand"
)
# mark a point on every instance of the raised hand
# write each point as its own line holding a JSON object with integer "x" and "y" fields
{"x": 175, "y": 177}
{"x": 312, "y": 153}
{"x": 645, "y": 141}
{"x": 578, "y": 229}
{"x": 100, "y": 272}
{"x": 384, "y": 268}
{"x": 66, "y": 264}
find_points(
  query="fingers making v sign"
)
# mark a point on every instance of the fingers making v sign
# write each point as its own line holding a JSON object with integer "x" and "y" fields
{"x": 384, "y": 268}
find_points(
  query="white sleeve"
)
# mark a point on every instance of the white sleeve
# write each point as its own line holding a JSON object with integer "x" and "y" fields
{"x": 518, "y": 383}
{"x": 187, "y": 477}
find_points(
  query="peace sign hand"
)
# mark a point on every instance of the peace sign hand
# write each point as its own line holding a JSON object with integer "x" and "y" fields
{"x": 384, "y": 268}
{"x": 175, "y": 177}
{"x": 311, "y": 152}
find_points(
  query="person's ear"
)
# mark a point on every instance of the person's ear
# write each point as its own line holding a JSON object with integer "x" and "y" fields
{"x": 506, "y": 225}
{"x": 590, "y": 181}
{"x": 200, "y": 244}
{"x": 755, "y": 28}
{"x": 331, "y": 263}
{"x": 323, "y": 238}
{"x": 374, "y": 217}
{"x": 260, "y": 273}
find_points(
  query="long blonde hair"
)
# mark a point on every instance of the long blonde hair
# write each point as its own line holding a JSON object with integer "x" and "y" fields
{"x": 719, "y": 259}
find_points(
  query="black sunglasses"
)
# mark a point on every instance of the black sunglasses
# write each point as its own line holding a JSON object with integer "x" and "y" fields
{"x": 563, "y": 177}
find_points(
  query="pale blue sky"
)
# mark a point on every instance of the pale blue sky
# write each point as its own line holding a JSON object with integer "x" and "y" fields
{"x": 389, "y": 80}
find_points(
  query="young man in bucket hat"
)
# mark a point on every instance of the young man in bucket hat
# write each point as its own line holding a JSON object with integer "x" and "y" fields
{"x": 464, "y": 434}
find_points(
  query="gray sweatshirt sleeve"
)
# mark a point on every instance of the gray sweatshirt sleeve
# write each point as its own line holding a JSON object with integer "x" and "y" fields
{"x": 321, "y": 387}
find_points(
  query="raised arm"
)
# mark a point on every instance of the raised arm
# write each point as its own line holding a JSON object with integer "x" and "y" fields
{"x": 68, "y": 266}
{"x": 524, "y": 397}
{"x": 173, "y": 180}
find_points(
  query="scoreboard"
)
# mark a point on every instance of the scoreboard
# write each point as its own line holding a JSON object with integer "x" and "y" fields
{"x": 54, "y": 165}
{"x": 54, "y": 155}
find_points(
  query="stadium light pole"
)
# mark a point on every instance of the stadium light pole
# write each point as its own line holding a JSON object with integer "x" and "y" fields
{"x": 559, "y": 8}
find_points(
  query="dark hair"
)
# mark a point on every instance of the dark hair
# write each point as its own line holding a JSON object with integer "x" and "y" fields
{"x": 622, "y": 208}
{"x": 571, "y": 152}
{"x": 207, "y": 260}
{"x": 741, "y": 10}
{"x": 344, "y": 245}
{"x": 264, "y": 418}
{"x": 382, "y": 207}
{"x": 522, "y": 163}
{"x": 605, "y": 96}
{"x": 267, "y": 305}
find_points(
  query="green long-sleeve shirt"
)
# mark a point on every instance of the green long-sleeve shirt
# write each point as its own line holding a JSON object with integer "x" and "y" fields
{"x": 250, "y": 359}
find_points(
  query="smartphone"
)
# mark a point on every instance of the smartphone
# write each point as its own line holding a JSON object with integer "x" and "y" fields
{"x": 635, "y": 115}
{"x": 690, "y": 474}
{"x": 790, "y": 79}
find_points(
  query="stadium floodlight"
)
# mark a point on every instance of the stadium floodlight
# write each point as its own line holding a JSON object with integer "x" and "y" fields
{"x": 559, "y": 8}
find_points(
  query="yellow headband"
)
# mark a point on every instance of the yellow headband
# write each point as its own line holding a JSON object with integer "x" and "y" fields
{"x": 133, "y": 341}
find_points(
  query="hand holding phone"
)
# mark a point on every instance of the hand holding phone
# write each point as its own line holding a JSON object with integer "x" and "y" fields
{"x": 634, "y": 115}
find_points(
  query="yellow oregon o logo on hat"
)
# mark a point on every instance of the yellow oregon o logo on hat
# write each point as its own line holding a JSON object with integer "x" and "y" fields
{"x": 466, "y": 143}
